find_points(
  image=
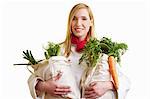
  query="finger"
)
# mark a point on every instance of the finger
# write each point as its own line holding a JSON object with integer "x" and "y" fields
{"x": 62, "y": 90}
{"x": 60, "y": 93}
{"x": 88, "y": 89}
{"x": 89, "y": 92}
{"x": 57, "y": 77}
{"x": 92, "y": 84}
{"x": 93, "y": 95}
{"x": 62, "y": 87}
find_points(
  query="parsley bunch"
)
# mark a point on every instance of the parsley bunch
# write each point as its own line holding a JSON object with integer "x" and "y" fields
{"x": 91, "y": 52}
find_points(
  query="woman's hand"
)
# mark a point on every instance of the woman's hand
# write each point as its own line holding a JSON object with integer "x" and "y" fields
{"x": 97, "y": 89}
{"x": 52, "y": 87}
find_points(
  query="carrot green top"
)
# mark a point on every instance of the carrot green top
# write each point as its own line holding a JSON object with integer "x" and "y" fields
{"x": 95, "y": 47}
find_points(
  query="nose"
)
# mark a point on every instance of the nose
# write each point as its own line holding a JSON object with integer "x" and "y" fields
{"x": 78, "y": 23}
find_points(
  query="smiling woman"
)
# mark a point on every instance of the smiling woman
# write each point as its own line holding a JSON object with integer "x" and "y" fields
{"x": 28, "y": 24}
{"x": 79, "y": 31}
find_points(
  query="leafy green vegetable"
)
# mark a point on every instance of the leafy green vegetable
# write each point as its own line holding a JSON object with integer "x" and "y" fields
{"x": 91, "y": 52}
{"x": 114, "y": 49}
{"x": 95, "y": 47}
{"x": 51, "y": 50}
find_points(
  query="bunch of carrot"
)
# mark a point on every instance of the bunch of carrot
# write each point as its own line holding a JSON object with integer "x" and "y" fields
{"x": 114, "y": 50}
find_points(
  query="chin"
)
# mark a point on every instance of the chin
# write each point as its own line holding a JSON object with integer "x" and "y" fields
{"x": 79, "y": 36}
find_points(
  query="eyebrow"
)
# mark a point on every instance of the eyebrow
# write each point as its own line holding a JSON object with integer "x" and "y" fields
{"x": 80, "y": 16}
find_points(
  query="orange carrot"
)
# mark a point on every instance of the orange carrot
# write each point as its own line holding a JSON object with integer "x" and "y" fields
{"x": 112, "y": 69}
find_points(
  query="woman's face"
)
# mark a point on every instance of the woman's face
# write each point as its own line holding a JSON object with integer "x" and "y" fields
{"x": 81, "y": 23}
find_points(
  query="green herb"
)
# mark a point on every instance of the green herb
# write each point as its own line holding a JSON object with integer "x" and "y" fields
{"x": 95, "y": 47}
{"x": 51, "y": 50}
{"x": 91, "y": 52}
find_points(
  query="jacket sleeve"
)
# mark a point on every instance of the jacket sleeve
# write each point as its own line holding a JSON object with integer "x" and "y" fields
{"x": 32, "y": 81}
{"x": 124, "y": 83}
{"x": 40, "y": 73}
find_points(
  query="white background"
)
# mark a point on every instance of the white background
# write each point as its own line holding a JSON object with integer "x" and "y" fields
{"x": 29, "y": 24}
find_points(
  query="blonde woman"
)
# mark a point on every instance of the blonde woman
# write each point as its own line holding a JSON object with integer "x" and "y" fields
{"x": 80, "y": 28}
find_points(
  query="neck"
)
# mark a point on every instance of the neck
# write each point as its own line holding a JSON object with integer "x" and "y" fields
{"x": 79, "y": 42}
{"x": 81, "y": 38}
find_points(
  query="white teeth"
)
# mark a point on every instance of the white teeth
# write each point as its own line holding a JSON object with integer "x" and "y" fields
{"x": 78, "y": 29}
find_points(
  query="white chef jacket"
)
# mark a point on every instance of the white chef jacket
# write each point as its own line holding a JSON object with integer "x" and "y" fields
{"x": 124, "y": 83}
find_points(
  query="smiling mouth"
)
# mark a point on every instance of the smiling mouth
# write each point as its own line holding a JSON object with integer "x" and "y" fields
{"x": 78, "y": 29}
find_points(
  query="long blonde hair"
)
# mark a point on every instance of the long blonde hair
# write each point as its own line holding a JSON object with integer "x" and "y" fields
{"x": 67, "y": 42}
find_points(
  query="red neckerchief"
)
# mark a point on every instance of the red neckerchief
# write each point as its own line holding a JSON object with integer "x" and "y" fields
{"x": 79, "y": 44}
